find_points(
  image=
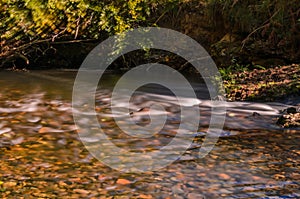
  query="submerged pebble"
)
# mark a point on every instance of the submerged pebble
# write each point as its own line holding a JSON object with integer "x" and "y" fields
{"x": 5, "y": 130}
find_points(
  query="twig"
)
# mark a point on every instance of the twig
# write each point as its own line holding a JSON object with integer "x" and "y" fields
{"x": 159, "y": 18}
{"x": 77, "y": 28}
{"x": 12, "y": 58}
{"x": 266, "y": 23}
{"x": 61, "y": 32}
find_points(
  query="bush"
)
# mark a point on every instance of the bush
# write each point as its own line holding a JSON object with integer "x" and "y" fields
{"x": 25, "y": 23}
{"x": 274, "y": 21}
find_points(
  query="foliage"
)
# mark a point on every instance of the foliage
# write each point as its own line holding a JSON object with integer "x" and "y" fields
{"x": 26, "y": 22}
{"x": 26, "y": 25}
{"x": 276, "y": 21}
{"x": 85, "y": 18}
{"x": 229, "y": 72}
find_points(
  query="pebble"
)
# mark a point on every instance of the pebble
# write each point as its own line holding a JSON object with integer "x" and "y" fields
{"x": 34, "y": 119}
{"x": 123, "y": 181}
{"x": 49, "y": 130}
{"x": 18, "y": 140}
{"x": 195, "y": 196}
{"x": 82, "y": 191}
{"x": 224, "y": 176}
{"x": 5, "y": 130}
{"x": 177, "y": 190}
{"x": 111, "y": 188}
{"x": 9, "y": 184}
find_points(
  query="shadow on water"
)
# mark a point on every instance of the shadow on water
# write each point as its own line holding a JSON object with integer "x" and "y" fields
{"x": 42, "y": 156}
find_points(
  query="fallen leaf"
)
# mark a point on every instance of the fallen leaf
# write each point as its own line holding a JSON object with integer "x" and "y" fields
{"x": 82, "y": 191}
{"x": 9, "y": 184}
{"x": 123, "y": 181}
{"x": 49, "y": 130}
{"x": 143, "y": 196}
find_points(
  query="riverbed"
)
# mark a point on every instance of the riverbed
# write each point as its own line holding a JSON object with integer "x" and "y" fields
{"x": 43, "y": 156}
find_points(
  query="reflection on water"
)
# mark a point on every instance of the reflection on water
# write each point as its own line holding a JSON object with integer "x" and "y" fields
{"x": 41, "y": 155}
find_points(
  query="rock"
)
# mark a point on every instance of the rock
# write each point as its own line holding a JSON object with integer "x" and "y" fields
{"x": 5, "y": 130}
{"x": 255, "y": 114}
{"x": 290, "y": 118}
{"x": 177, "y": 190}
{"x": 291, "y": 110}
{"x": 195, "y": 196}
{"x": 18, "y": 140}
{"x": 281, "y": 120}
{"x": 34, "y": 119}
{"x": 224, "y": 176}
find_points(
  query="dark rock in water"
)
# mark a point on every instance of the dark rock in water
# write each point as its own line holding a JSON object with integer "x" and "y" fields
{"x": 255, "y": 114}
{"x": 290, "y": 118}
{"x": 281, "y": 120}
{"x": 291, "y": 110}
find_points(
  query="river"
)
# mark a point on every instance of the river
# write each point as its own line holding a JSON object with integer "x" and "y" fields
{"x": 42, "y": 155}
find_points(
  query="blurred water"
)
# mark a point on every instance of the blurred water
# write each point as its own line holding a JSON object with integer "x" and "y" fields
{"x": 252, "y": 159}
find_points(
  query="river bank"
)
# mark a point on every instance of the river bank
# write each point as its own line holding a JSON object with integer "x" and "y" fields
{"x": 281, "y": 83}
{"x": 271, "y": 84}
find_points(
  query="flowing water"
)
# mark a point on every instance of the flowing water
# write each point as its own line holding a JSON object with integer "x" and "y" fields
{"x": 42, "y": 156}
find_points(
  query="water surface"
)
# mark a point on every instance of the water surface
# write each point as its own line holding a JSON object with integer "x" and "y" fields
{"x": 42, "y": 156}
